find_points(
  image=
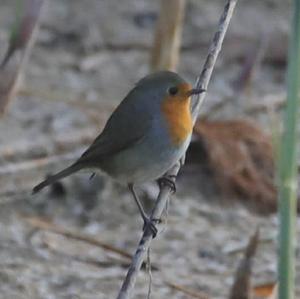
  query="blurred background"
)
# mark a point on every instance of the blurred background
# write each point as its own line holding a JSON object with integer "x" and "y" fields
{"x": 83, "y": 58}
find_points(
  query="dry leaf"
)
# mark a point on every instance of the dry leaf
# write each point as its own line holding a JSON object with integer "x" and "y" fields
{"x": 240, "y": 157}
{"x": 266, "y": 290}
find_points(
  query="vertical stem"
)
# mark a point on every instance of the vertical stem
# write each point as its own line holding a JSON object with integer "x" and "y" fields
{"x": 165, "y": 52}
{"x": 288, "y": 165}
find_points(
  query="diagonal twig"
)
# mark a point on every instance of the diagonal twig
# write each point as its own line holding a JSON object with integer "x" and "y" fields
{"x": 47, "y": 225}
{"x": 189, "y": 292}
{"x": 213, "y": 52}
{"x": 41, "y": 223}
{"x": 202, "y": 81}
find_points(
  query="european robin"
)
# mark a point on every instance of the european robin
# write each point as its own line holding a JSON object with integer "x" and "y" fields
{"x": 144, "y": 137}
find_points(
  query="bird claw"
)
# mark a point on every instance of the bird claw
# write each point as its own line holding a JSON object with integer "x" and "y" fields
{"x": 151, "y": 223}
{"x": 92, "y": 176}
{"x": 167, "y": 181}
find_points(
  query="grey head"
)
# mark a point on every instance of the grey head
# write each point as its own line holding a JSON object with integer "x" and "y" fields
{"x": 158, "y": 83}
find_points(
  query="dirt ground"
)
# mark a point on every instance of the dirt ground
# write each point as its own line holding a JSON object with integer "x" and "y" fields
{"x": 87, "y": 56}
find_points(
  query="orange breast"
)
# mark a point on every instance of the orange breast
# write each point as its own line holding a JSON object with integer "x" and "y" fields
{"x": 177, "y": 113}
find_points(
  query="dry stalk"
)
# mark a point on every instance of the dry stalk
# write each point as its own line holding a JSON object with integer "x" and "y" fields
{"x": 165, "y": 52}
{"x": 24, "y": 40}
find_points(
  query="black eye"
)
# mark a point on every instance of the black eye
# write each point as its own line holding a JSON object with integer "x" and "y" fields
{"x": 173, "y": 90}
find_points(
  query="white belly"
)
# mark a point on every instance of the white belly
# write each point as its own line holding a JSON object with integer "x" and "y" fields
{"x": 144, "y": 162}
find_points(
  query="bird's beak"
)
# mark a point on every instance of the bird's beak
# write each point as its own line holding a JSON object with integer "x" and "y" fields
{"x": 195, "y": 91}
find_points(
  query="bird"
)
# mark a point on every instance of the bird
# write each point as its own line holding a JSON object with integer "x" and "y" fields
{"x": 146, "y": 134}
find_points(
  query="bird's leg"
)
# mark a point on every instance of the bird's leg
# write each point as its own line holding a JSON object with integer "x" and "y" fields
{"x": 147, "y": 221}
{"x": 167, "y": 180}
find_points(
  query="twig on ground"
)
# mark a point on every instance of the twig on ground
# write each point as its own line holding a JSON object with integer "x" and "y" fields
{"x": 11, "y": 168}
{"x": 191, "y": 293}
{"x": 111, "y": 262}
{"x": 239, "y": 86}
{"x": 28, "y": 149}
{"x": 202, "y": 82}
{"x": 48, "y": 225}
{"x": 43, "y": 224}
{"x": 97, "y": 111}
{"x": 252, "y": 62}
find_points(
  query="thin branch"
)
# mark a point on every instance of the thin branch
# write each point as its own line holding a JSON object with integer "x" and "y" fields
{"x": 214, "y": 50}
{"x": 202, "y": 81}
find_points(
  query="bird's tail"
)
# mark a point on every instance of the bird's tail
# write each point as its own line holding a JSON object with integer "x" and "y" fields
{"x": 53, "y": 178}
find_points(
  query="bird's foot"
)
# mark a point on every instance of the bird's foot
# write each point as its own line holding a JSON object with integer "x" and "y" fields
{"x": 167, "y": 180}
{"x": 152, "y": 224}
{"x": 92, "y": 176}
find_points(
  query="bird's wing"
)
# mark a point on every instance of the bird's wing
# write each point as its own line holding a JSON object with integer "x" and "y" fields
{"x": 127, "y": 125}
